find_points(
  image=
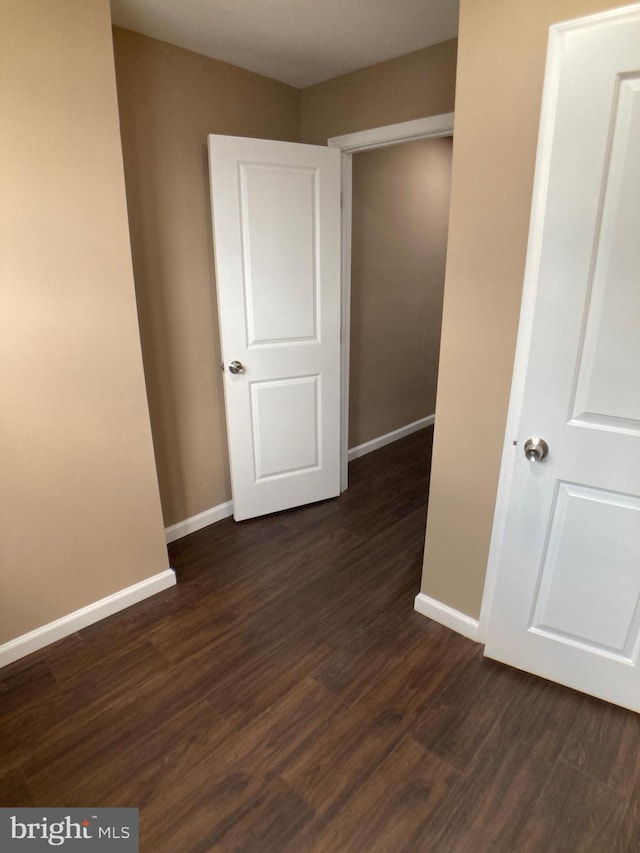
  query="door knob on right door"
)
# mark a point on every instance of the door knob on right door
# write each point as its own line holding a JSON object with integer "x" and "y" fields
{"x": 535, "y": 449}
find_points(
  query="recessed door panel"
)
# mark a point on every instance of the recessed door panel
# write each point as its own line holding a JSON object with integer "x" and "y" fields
{"x": 589, "y": 584}
{"x": 608, "y": 387}
{"x": 279, "y": 239}
{"x": 286, "y": 426}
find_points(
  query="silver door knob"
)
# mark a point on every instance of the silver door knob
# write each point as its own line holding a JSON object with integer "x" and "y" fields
{"x": 535, "y": 449}
{"x": 236, "y": 367}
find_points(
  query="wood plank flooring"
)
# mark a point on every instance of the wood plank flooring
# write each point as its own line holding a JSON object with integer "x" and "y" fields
{"x": 285, "y": 697}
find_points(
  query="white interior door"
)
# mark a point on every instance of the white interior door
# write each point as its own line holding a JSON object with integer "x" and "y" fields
{"x": 566, "y": 602}
{"x": 276, "y": 224}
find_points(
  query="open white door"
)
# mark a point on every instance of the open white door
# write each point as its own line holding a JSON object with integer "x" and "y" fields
{"x": 276, "y": 224}
{"x": 566, "y": 591}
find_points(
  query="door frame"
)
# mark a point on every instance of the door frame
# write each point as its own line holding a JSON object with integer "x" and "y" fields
{"x": 350, "y": 144}
{"x": 530, "y": 293}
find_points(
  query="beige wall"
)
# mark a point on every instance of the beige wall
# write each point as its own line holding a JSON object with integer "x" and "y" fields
{"x": 79, "y": 507}
{"x": 501, "y": 55}
{"x": 412, "y": 86}
{"x": 170, "y": 99}
{"x": 399, "y": 241}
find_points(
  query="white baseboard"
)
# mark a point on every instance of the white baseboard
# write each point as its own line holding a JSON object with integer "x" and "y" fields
{"x": 395, "y": 435}
{"x": 197, "y": 522}
{"x": 217, "y": 513}
{"x": 72, "y": 622}
{"x": 447, "y": 616}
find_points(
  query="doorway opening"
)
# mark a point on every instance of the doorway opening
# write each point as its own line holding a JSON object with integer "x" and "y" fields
{"x": 434, "y": 127}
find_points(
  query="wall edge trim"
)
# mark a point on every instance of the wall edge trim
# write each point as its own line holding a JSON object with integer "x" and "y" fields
{"x": 389, "y": 437}
{"x": 447, "y": 616}
{"x": 197, "y": 522}
{"x": 50, "y": 633}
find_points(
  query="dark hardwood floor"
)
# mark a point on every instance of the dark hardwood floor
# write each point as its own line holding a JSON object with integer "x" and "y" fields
{"x": 285, "y": 697}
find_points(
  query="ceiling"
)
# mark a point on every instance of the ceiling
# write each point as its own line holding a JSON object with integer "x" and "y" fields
{"x": 300, "y": 42}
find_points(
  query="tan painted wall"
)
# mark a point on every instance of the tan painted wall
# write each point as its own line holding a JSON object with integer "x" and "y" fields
{"x": 501, "y": 55}
{"x": 412, "y": 86}
{"x": 399, "y": 241}
{"x": 79, "y": 505}
{"x": 170, "y": 99}
{"x": 415, "y": 85}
